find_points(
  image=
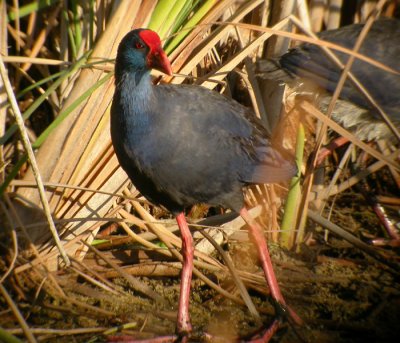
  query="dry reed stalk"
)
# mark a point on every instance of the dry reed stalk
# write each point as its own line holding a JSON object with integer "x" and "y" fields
{"x": 221, "y": 72}
{"x": 317, "y": 9}
{"x": 203, "y": 47}
{"x": 32, "y": 160}
{"x": 180, "y": 55}
{"x": 20, "y": 318}
{"x": 79, "y": 140}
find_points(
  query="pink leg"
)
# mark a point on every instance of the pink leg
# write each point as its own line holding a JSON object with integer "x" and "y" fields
{"x": 265, "y": 259}
{"x": 183, "y": 322}
{"x": 183, "y": 326}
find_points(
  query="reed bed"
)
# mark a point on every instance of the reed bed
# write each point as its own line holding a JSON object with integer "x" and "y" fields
{"x": 88, "y": 257}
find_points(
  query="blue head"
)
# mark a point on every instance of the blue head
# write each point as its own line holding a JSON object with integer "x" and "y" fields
{"x": 140, "y": 51}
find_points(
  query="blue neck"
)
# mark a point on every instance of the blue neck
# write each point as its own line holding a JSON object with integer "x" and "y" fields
{"x": 135, "y": 91}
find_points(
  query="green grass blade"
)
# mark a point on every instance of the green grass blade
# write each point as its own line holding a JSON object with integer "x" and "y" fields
{"x": 62, "y": 115}
{"x": 193, "y": 21}
{"x": 77, "y": 32}
{"x": 38, "y": 83}
{"x": 39, "y": 141}
{"x": 165, "y": 29}
{"x": 289, "y": 219}
{"x": 71, "y": 39}
{"x": 160, "y": 14}
{"x": 32, "y": 7}
{"x": 12, "y": 174}
{"x": 91, "y": 22}
{"x": 7, "y": 337}
{"x": 43, "y": 97}
{"x": 183, "y": 15}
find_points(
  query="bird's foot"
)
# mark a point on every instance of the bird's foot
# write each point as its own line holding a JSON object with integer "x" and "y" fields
{"x": 284, "y": 314}
{"x": 263, "y": 335}
{"x": 266, "y": 334}
{"x": 183, "y": 332}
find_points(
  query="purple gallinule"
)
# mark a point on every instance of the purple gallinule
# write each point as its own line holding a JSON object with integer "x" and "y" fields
{"x": 182, "y": 145}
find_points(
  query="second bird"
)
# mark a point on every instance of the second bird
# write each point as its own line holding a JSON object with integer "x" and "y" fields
{"x": 353, "y": 111}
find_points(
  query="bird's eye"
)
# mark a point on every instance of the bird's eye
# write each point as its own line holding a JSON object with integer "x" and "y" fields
{"x": 139, "y": 45}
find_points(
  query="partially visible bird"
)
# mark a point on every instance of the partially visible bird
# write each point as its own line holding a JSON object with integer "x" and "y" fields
{"x": 307, "y": 64}
{"x": 182, "y": 145}
{"x": 354, "y": 112}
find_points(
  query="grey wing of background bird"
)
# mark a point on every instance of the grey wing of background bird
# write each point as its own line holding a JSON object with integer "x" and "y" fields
{"x": 382, "y": 44}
